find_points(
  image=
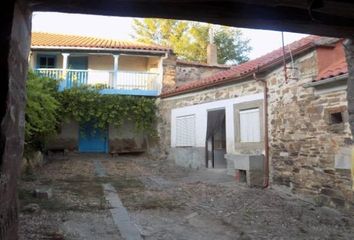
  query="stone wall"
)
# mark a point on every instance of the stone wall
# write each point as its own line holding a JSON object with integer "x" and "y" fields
{"x": 189, "y": 72}
{"x": 15, "y": 44}
{"x": 169, "y": 72}
{"x": 67, "y": 138}
{"x": 303, "y": 142}
{"x": 124, "y": 139}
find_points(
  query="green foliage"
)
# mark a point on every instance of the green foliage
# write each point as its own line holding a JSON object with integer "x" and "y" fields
{"x": 231, "y": 46}
{"x": 85, "y": 104}
{"x": 41, "y": 110}
{"x": 189, "y": 40}
{"x": 47, "y": 108}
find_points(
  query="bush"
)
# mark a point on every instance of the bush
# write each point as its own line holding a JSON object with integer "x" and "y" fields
{"x": 41, "y": 110}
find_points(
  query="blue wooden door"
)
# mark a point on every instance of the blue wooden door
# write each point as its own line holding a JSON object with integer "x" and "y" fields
{"x": 77, "y": 77}
{"x": 92, "y": 139}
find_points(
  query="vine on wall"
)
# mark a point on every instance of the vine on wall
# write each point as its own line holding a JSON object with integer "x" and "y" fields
{"x": 86, "y": 104}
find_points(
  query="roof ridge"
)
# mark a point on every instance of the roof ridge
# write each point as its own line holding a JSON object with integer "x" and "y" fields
{"x": 187, "y": 62}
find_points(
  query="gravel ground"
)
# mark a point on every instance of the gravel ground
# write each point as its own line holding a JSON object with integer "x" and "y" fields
{"x": 77, "y": 209}
{"x": 168, "y": 202}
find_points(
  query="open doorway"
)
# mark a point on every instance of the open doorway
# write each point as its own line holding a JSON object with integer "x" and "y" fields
{"x": 215, "y": 143}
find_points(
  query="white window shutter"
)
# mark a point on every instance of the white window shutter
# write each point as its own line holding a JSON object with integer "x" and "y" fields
{"x": 185, "y": 131}
{"x": 250, "y": 127}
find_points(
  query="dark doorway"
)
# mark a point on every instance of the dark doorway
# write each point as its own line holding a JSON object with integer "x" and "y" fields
{"x": 215, "y": 143}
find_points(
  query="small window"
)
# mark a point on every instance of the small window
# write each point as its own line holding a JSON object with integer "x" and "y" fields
{"x": 250, "y": 127}
{"x": 185, "y": 131}
{"x": 336, "y": 118}
{"x": 46, "y": 61}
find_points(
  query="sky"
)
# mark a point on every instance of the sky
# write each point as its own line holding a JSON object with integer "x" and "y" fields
{"x": 262, "y": 41}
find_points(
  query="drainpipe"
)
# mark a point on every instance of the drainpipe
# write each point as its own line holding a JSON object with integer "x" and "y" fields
{"x": 266, "y": 137}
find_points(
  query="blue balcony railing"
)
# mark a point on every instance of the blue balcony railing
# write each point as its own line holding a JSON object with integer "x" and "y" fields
{"x": 122, "y": 82}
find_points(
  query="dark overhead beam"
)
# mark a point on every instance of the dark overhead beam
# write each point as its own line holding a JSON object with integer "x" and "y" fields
{"x": 330, "y": 18}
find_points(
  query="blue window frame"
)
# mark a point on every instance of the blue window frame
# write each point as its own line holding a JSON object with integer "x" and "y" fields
{"x": 46, "y": 61}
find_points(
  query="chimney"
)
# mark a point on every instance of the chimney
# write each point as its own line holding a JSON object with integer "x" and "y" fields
{"x": 212, "y": 56}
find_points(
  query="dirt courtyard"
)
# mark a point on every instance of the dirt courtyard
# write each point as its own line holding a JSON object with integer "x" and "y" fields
{"x": 165, "y": 202}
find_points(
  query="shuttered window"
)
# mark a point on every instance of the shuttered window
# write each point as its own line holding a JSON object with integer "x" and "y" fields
{"x": 185, "y": 131}
{"x": 250, "y": 128}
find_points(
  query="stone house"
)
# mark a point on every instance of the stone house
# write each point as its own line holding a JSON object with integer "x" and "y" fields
{"x": 269, "y": 123}
{"x": 121, "y": 67}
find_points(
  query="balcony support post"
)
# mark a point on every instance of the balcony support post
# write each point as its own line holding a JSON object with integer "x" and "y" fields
{"x": 65, "y": 65}
{"x": 115, "y": 70}
{"x": 65, "y": 62}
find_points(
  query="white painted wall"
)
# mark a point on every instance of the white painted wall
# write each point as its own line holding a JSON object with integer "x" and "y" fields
{"x": 201, "y": 112}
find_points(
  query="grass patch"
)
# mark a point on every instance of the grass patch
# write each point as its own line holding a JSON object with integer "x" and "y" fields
{"x": 29, "y": 177}
{"x": 76, "y": 178}
{"x": 53, "y": 204}
{"x": 125, "y": 183}
{"x": 157, "y": 203}
{"x": 122, "y": 183}
{"x": 57, "y": 205}
{"x": 82, "y": 189}
{"x": 148, "y": 200}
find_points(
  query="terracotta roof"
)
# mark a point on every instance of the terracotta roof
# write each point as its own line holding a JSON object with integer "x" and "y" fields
{"x": 336, "y": 69}
{"x": 246, "y": 69}
{"x": 192, "y": 63}
{"x": 47, "y": 40}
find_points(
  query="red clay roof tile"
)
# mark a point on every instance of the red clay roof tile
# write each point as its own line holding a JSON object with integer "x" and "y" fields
{"x": 336, "y": 69}
{"x": 40, "y": 39}
{"x": 245, "y": 69}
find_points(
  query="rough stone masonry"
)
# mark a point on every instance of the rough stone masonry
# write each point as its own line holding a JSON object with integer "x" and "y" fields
{"x": 304, "y": 144}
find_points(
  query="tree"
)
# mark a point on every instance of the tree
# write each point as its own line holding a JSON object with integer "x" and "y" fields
{"x": 189, "y": 40}
{"x": 231, "y": 46}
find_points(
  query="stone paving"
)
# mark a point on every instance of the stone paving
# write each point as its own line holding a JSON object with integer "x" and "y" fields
{"x": 120, "y": 215}
{"x": 137, "y": 197}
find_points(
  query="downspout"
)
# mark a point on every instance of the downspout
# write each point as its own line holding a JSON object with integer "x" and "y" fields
{"x": 265, "y": 123}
